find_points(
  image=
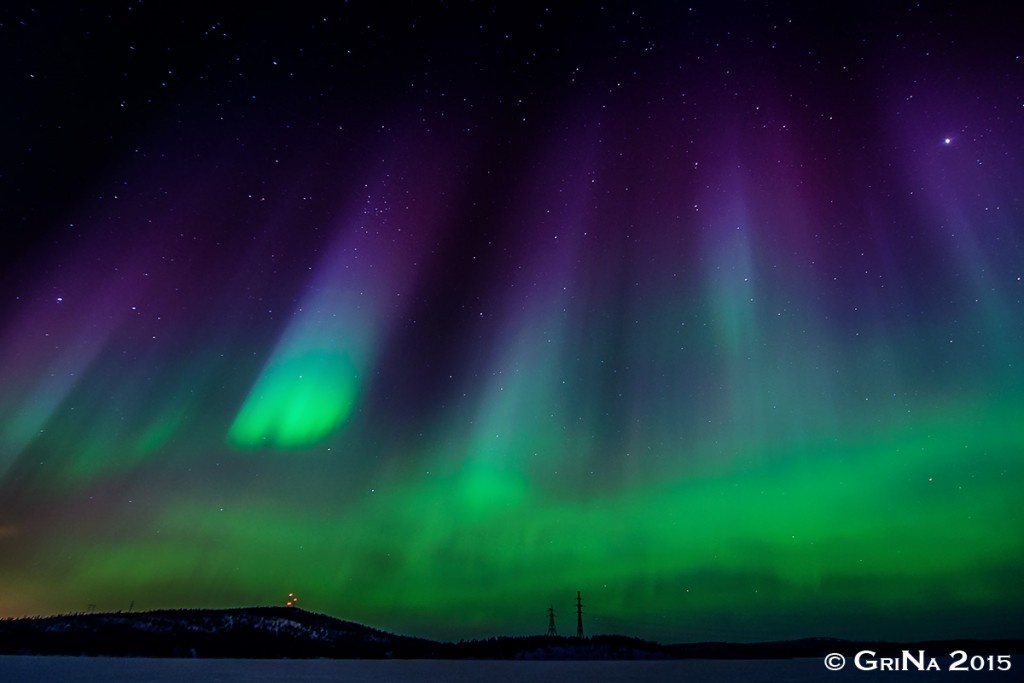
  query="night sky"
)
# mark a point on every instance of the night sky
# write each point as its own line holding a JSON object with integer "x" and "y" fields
{"x": 435, "y": 316}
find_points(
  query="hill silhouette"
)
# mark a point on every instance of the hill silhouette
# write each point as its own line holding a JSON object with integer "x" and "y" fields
{"x": 253, "y": 632}
{"x": 293, "y": 633}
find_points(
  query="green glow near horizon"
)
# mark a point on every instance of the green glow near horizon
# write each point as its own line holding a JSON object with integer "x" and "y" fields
{"x": 891, "y": 520}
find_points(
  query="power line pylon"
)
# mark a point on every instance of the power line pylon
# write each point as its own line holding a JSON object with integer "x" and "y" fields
{"x": 551, "y": 621}
{"x": 579, "y": 616}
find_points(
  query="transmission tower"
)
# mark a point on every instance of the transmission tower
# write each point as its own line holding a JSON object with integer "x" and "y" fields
{"x": 579, "y": 616}
{"x": 551, "y": 621}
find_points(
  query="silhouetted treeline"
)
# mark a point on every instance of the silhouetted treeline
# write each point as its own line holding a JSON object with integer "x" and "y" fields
{"x": 291, "y": 633}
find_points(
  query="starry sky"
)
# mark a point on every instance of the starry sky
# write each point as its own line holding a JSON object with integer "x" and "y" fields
{"x": 434, "y": 316}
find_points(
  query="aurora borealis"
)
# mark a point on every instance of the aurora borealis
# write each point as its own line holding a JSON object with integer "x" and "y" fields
{"x": 434, "y": 317}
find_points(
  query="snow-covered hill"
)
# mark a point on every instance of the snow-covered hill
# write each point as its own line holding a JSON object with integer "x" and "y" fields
{"x": 288, "y": 632}
{"x": 262, "y": 632}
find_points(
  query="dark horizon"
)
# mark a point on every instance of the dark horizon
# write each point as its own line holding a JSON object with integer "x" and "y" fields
{"x": 242, "y": 632}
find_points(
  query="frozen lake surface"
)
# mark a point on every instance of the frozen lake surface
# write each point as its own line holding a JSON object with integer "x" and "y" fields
{"x": 140, "y": 670}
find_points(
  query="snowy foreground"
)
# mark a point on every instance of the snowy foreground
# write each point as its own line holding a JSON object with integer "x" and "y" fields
{"x": 30, "y": 669}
